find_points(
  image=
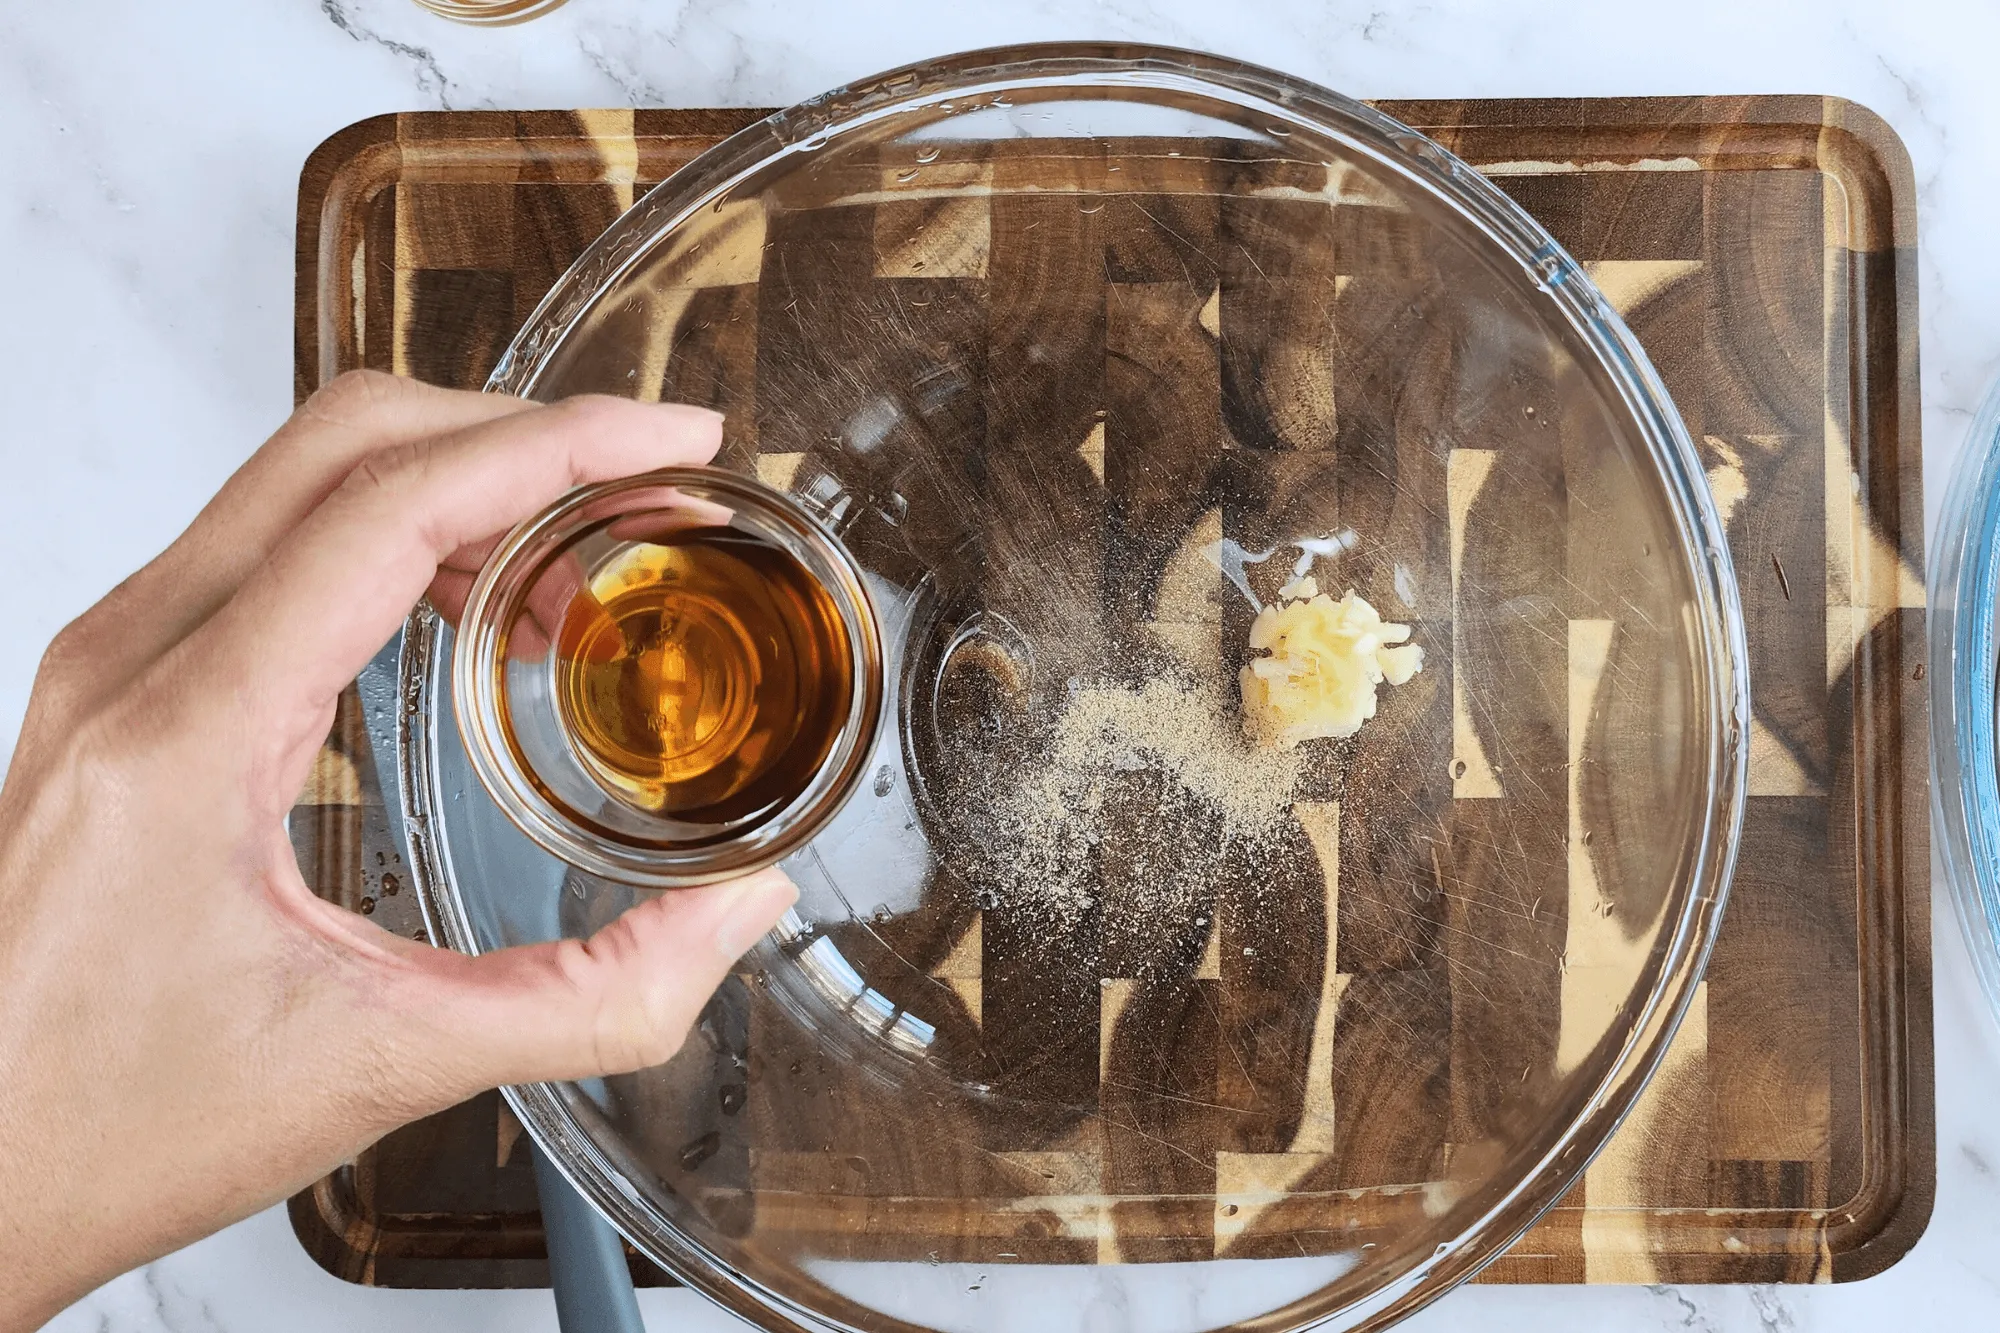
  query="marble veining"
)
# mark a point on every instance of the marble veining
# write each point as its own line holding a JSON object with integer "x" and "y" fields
{"x": 430, "y": 79}
{"x": 151, "y": 168}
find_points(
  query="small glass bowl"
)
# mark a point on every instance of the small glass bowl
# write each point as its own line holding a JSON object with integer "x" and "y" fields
{"x": 506, "y": 672}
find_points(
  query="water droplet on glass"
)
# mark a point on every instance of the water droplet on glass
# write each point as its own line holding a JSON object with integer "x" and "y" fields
{"x": 367, "y": 907}
{"x": 1229, "y": 1210}
{"x": 814, "y": 144}
{"x": 885, "y": 780}
{"x": 882, "y": 916}
{"x": 1918, "y": 674}
{"x": 700, "y": 1150}
{"x": 1249, "y": 952}
{"x": 1587, "y": 835}
{"x": 732, "y": 1096}
{"x": 391, "y": 886}
{"x": 1095, "y": 207}
{"x": 929, "y": 154}
{"x": 1278, "y": 131}
{"x": 906, "y": 175}
{"x": 1458, "y": 769}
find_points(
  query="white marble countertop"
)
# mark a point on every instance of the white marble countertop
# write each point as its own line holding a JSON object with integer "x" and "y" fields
{"x": 148, "y": 172}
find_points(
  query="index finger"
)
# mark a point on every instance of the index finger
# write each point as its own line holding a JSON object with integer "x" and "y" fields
{"x": 310, "y": 618}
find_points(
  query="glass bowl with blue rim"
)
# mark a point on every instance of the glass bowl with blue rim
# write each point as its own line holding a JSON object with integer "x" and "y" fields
{"x": 1964, "y": 599}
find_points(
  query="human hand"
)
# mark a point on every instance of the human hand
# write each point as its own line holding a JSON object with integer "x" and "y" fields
{"x": 190, "y": 1034}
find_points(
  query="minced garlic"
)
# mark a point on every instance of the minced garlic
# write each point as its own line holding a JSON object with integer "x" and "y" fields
{"x": 1326, "y": 658}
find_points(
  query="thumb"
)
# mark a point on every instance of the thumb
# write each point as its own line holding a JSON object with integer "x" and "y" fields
{"x": 619, "y": 1001}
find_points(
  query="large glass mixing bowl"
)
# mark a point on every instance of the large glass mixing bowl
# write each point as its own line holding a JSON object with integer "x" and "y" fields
{"x": 1091, "y": 1014}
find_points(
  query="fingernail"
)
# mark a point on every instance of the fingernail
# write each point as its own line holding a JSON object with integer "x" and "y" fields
{"x": 754, "y": 905}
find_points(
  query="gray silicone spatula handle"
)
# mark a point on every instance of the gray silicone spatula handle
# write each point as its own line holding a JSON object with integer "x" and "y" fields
{"x": 586, "y": 1260}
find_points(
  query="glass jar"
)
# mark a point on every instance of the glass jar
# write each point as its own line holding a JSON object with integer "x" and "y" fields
{"x": 492, "y": 13}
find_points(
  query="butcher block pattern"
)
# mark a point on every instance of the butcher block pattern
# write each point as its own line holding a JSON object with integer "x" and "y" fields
{"x": 1763, "y": 251}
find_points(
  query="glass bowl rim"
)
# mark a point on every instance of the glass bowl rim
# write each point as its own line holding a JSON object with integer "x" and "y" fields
{"x": 1964, "y": 615}
{"x": 1715, "y": 616}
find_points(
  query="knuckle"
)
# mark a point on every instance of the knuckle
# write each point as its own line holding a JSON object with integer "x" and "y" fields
{"x": 590, "y": 412}
{"x": 68, "y": 652}
{"x": 63, "y": 675}
{"x": 102, "y": 758}
{"x": 81, "y": 688}
{"x": 390, "y": 471}
{"x": 353, "y": 394}
{"x": 635, "y": 1020}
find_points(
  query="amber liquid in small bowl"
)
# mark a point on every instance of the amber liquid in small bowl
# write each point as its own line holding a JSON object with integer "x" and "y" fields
{"x": 705, "y": 676}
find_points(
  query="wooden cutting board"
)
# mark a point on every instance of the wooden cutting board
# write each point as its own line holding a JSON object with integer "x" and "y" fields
{"x": 1763, "y": 250}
